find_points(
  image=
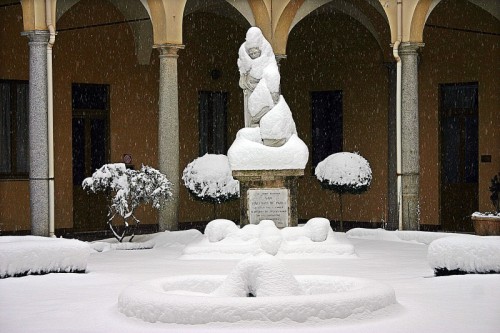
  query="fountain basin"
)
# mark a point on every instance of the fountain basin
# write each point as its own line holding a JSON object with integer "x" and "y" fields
{"x": 187, "y": 300}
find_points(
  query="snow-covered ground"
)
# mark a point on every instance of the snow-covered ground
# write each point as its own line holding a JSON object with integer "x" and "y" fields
{"x": 70, "y": 302}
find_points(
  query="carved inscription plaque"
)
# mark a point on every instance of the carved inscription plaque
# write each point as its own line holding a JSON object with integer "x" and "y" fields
{"x": 268, "y": 204}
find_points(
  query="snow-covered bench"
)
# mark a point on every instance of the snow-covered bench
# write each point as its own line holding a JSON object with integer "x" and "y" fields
{"x": 25, "y": 255}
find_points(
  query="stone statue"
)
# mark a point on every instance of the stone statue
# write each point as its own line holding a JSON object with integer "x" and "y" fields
{"x": 256, "y": 57}
{"x": 260, "y": 81}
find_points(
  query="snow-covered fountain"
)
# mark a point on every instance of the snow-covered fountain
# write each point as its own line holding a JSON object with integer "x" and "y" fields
{"x": 259, "y": 288}
{"x": 267, "y": 156}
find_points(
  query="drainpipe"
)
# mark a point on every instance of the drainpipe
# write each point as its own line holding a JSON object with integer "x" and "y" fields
{"x": 395, "y": 52}
{"x": 50, "y": 111}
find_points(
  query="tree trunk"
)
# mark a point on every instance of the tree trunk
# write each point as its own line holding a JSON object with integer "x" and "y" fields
{"x": 341, "y": 213}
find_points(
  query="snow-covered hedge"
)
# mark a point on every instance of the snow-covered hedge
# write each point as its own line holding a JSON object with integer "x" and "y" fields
{"x": 127, "y": 189}
{"x": 345, "y": 173}
{"x": 465, "y": 254}
{"x": 209, "y": 178}
{"x": 26, "y": 255}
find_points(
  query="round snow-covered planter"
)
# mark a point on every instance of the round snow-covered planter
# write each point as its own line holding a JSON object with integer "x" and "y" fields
{"x": 187, "y": 300}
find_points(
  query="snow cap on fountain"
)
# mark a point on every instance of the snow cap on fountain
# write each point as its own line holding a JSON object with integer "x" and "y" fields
{"x": 261, "y": 275}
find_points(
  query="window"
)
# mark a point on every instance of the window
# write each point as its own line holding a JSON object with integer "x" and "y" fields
{"x": 212, "y": 109}
{"x": 14, "y": 146}
{"x": 327, "y": 124}
{"x": 459, "y": 133}
{"x": 90, "y": 129}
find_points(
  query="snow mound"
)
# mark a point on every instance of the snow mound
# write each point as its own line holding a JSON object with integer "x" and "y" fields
{"x": 202, "y": 299}
{"x": 261, "y": 275}
{"x": 318, "y": 229}
{"x": 25, "y": 255}
{"x": 375, "y": 234}
{"x": 423, "y": 237}
{"x": 335, "y": 245}
{"x": 148, "y": 241}
{"x": 315, "y": 238}
{"x": 269, "y": 237}
{"x": 217, "y": 230}
{"x": 247, "y": 154}
{"x": 465, "y": 254}
{"x": 105, "y": 246}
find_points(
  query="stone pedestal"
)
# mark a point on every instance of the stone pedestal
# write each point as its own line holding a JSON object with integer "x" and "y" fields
{"x": 268, "y": 195}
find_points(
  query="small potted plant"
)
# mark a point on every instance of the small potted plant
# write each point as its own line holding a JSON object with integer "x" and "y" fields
{"x": 488, "y": 223}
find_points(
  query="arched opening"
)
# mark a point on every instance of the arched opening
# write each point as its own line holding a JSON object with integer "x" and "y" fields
{"x": 335, "y": 71}
{"x": 210, "y": 100}
{"x": 105, "y": 106}
{"x": 458, "y": 92}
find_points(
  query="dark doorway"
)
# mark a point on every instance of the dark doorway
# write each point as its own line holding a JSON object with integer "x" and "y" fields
{"x": 90, "y": 151}
{"x": 459, "y": 155}
{"x": 212, "y": 130}
{"x": 327, "y": 124}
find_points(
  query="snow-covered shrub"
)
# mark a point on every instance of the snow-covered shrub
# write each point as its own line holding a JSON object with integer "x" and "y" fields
{"x": 126, "y": 189}
{"x": 495, "y": 192}
{"x": 217, "y": 230}
{"x": 209, "y": 178}
{"x": 344, "y": 173}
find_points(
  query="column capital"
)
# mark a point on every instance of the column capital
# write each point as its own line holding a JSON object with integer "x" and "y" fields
{"x": 37, "y": 36}
{"x": 169, "y": 50}
{"x": 409, "y": 47}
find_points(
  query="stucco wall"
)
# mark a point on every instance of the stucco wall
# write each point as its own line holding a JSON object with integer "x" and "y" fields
{"x": 14, "y": 195}
{"x": 336, "y": 53}
{"x": 458, "y": 56}
{"x": 331, "y": 52}
{"x": 103, "y": 55}
{"x": 211, "y": 43}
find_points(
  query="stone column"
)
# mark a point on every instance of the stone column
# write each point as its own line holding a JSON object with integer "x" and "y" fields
{"x": 168, "y": 132}
{"x": 410, "y": 168}
{"x": 38, "y": 136}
